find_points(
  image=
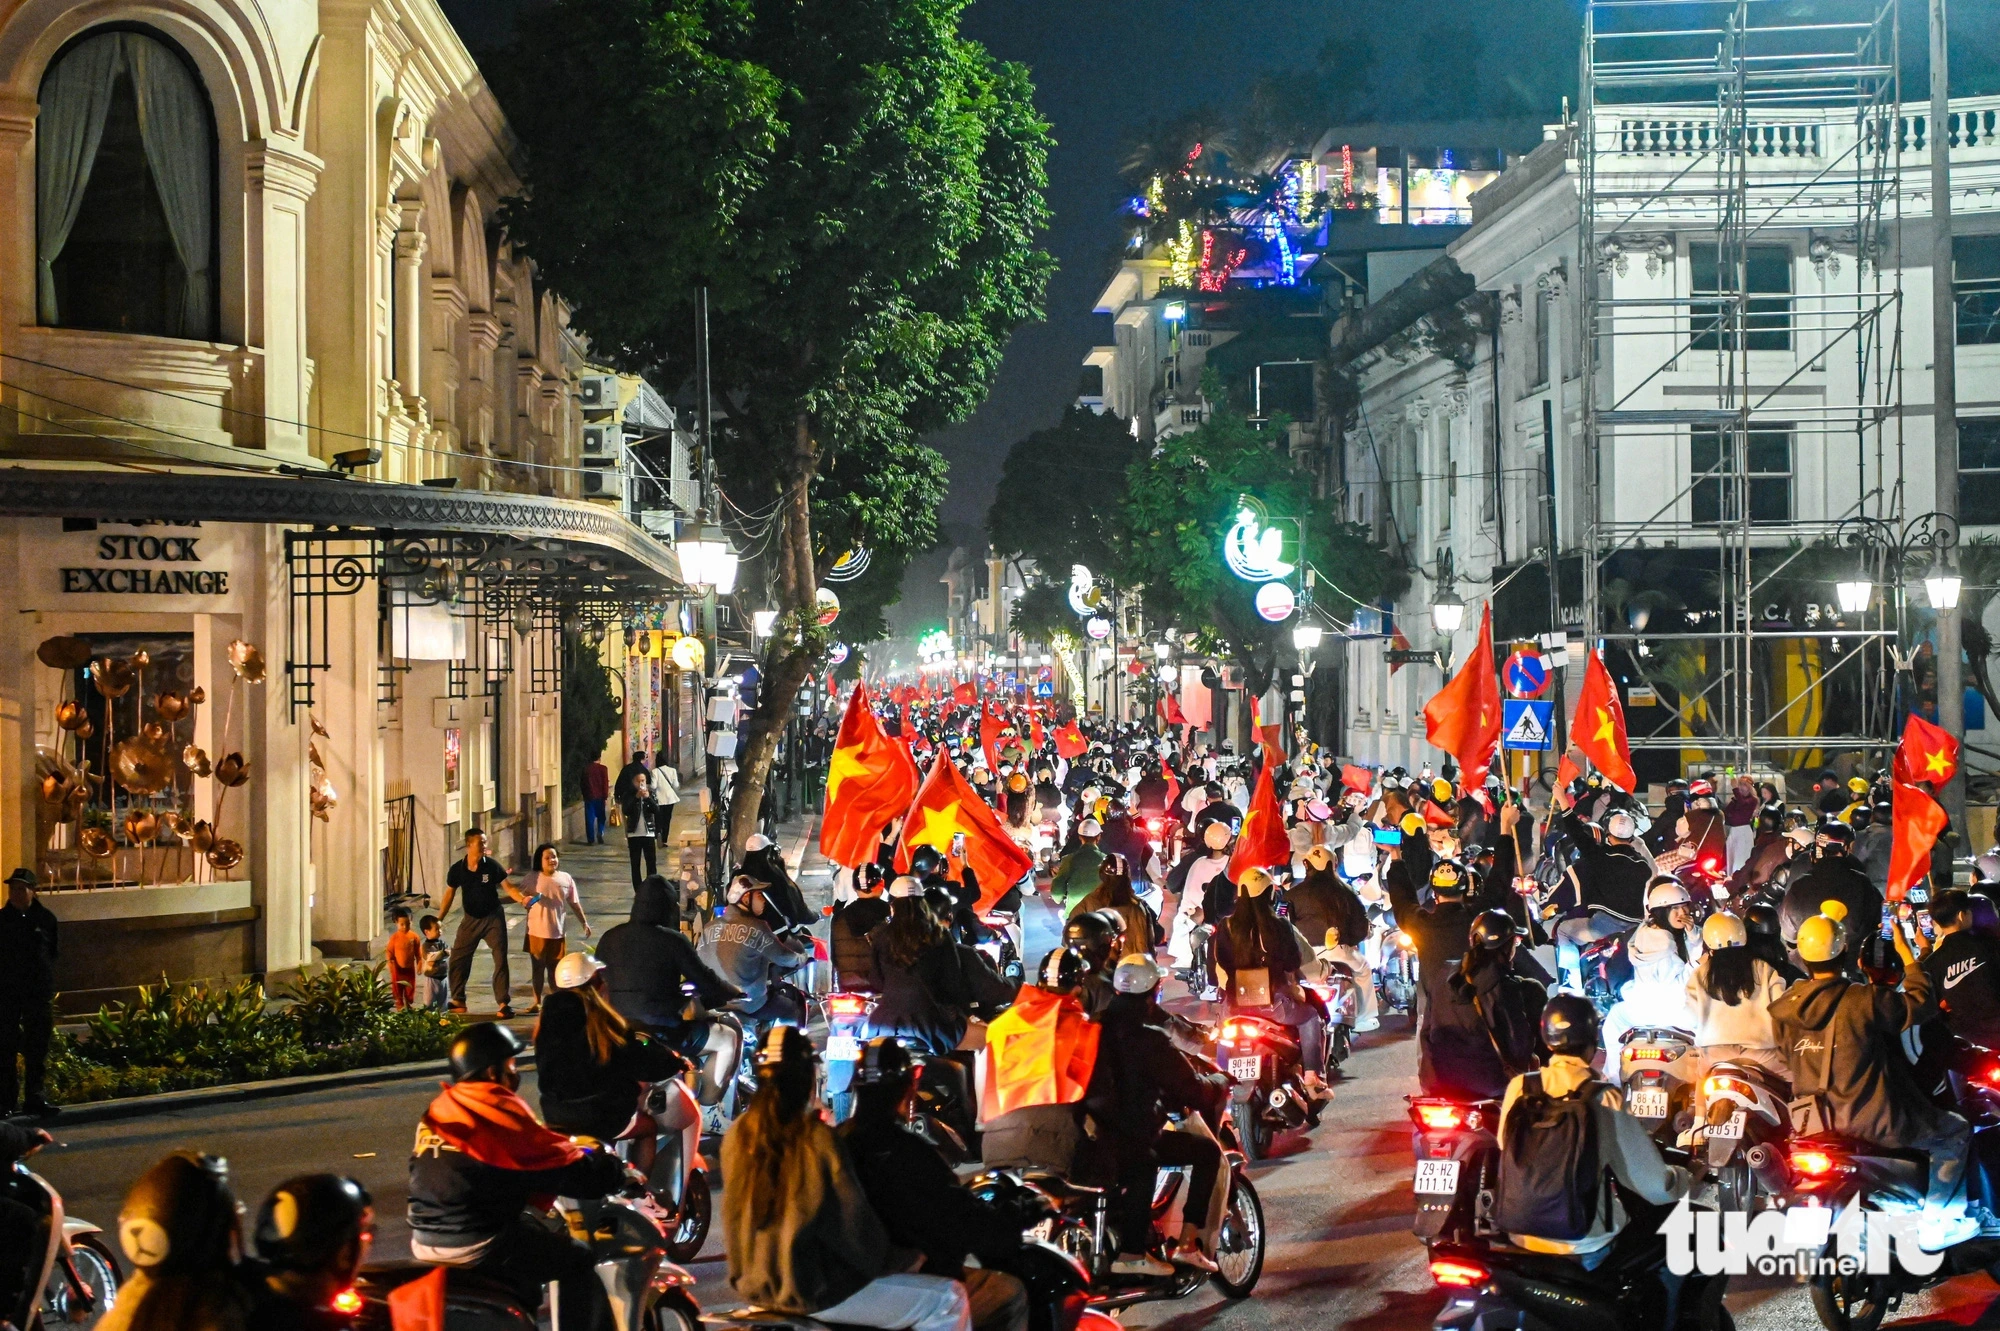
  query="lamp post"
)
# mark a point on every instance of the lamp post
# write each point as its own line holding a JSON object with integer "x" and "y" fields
{"x": 1447, "y": 607}
{"x": 1887, "y": 550}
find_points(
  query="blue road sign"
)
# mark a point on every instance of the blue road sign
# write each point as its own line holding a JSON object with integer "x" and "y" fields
{"x": 1525, "y": 674}
{"x": 1527, "y": 724}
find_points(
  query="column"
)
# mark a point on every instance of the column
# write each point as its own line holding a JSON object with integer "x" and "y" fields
{"x": 279, "y": 179}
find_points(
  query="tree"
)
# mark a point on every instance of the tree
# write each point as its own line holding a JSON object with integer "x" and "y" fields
{"x": 590, "y": 711}
{"x": 860, "y": 191}
{"x": 1058, "y": 488}
{"x": 1182, "y": 499}
{"x": 1042, "y": 614}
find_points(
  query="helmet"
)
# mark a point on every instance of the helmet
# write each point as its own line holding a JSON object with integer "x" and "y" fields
{"x": 904, "y": 886}
{"x": 1989, "y": 867}
{"x": 1829, "y": 835}
{"x": 884, "y": 1062}
{"x": 576, "y": 969}
{"x": 1722, "y": 930}
{"x": 180, "y": 1216}
{"x": 1090, "y": 937}
{"x": 925, "y": 861}
{"x": 1569, "y": 1026}
{"x": 1491, "y": 930}
{"x": 1061, "y": 971}
{"x": 1666, "y": 893}
{"x": 307, "y": 1223}
{"x": 1448, "y": 878}
{"x": 784, "y": 1048}
{"x": 1017, "y": 782}
{"x": 1824, "y": 936}
{"x": 1621, "y": 824}
{"x": 1761, "y": 921}
{"x": 481, "y": 1048}
{"x": 1699, "y": 787}
{"x": 1412, "y": 824}
{"x": 1857, "y": 785}
{"x": 1137, "y": 973}
{"x": 1255, "y": 882}
{"x": 1216, "y": 835}
{"x": 1441, "y": 791}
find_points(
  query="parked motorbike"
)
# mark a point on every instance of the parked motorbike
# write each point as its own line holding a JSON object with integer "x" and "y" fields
{"x": 648, "y": 1292}
{"x": 74, "y": 1279}
{"x": 1502, "y": 1286}
{"x": 1744, "y": 1125}
{"x": 678, "y": 1183}
{"x": 1458, "y": 1162}
{"x": 1267, "y": 1094}
{"x": 1654, "y": 1091}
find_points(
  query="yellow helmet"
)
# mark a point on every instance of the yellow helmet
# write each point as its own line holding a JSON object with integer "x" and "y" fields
{"x": 1254, "y": 882}
{"x": 1824, "y": 936}
{"x": 1413, "y": 825}
{"x": 1441, "y": 791}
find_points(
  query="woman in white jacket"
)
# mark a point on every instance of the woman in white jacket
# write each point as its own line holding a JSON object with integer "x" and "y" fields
{"x": 1730, "y": 994}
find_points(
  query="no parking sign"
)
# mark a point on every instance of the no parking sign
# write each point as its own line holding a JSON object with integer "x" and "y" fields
{"x": 1525, "y": 674}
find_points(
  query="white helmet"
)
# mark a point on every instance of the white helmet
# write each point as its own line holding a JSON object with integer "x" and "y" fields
{"x": 1669, "y": 893}
{"x": 1621, "y": 824}
{"x": 576, "y": 969}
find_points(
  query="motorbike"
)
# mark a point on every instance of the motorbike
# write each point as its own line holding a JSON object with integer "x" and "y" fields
{"x": 1396, "y": 972}
{"x": 1003, "y": 948}
{"x": 1340, "y": 991}
{"x": 647, "y": 1292}
{"x": 1501, "y": 1286}
{"x": 678, "y": 1183}
{"x": 1458, "y": 1163}
{"x": 1605, "y": 965}
{"x": 1267, "y": 1093}
{"x": 846, "y": 1021}
{"x": 1743, "y": 1126}
{"x": 76, "y": 1278}
{"x": 1654, "y": 1090}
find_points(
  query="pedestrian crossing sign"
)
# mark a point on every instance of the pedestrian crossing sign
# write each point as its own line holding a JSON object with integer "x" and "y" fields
{"x": 1525, "y": 723}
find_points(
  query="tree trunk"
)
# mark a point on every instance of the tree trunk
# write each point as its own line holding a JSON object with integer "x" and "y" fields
{"x": 787, "y": 662}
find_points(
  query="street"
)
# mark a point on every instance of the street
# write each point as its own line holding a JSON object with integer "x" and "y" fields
{"x": 1337, "y": 1205}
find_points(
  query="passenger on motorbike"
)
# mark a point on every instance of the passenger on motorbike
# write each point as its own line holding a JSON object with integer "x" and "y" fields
{"x": 1201, "y": 884}
{"x": 593, "y": 1069}
{"x": 798, "y": 1231}
{"x": 1094, "y": 939}
{"x": 1440, "y": 931}
{"x": 1114, "y": 893}
{"x": 1479, "y": 1029}
{"x": 919, "y": 1200}
{"x": 313, "y": 1233}
{"x": 1663, "y": 951}
{"x": 743, "y": 946}
{"x": 1964, "y": 970}
{"x": 925, "y": 998}
{"x": 1259, "y": 953}
{"x": 1076, "y": 872}
{"x": 1139, "y": 1078}
{"x": 1730, "y": 992}
{"x": 179, "y": 1230}
{"x": 764, "y": 865}
{"x": 1037, "y": 1136}
{"x": 650, "y": 964}
{"x": 1610, "y": 881}
{"x": 853, "y": 958}
{"x": 1832, "y": 877}
{"x": 22, "y": 1239}
{"x": 1767, "y": 943}
{"x": 1323, "y": 908}
{"x": 1845, "y": 1042}
{"x": 480, "y": 1156}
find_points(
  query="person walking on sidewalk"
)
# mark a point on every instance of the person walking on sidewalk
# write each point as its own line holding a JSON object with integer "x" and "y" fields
{"x": 666, "y": 794}
{"x": 480, "y": 879}
{"x": 551, "y": 897}
{"x": 596, "y": 790}
{"x": 27, "y": 992}
{"x": 640, "y": 810}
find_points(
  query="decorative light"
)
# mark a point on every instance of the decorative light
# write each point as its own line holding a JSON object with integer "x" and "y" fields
{"x": 1163, "y": 650}
{"x": 688, "y": 653}
{"x": 826, "y": 606}
{"x": 761, "y": 622}
{"x": 1254, "y": 551}
{"x": 1447, "y": 612}
{"x": 1306, "y": 636}
{"x": 1083, "y": 593}
{"x": 702, "y": 550}
{"x": 1943, "y": 584}
{"x": 1275, "y": 602}
{"x": 1175, "y": 311}
{"x": 837, "y": 654}
{"x": 1098, "y": 627}
{"x": 1854, "y": 596}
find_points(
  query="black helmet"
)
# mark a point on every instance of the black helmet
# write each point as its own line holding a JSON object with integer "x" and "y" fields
{"x": 1491, "y": 931}
{"x": 884, "y": 1062}
{"x": 1833, "y": 838}
{"x": 1761, "y": 921}
{"x": 925, "y": 861}
{"x": 1091, "y": 937}
{"x": 1569, "y": 1026}
{"x": 308, "y": 1223}
{"x": 1448, "y": 878}
{"x": 784, "y": 1048}
{"x": 180, "y": 1217}
{"x": 480, "y": 1048}
{"x": 1061, "y": 971}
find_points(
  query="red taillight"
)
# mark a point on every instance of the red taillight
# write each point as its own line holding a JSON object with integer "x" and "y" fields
{"x": 846, "y": 1005}
{"x": 1991, "y": 1075}
{"x": 1458, "y": 1274}
{"x": 1438, "y": 1117}
{"x": 1237, "y": 1030}
{"x": 1155, "y": 825}
{"x": 1811, "y": 1162}
{"x": 347, "y": 1302}
{"x": 1710, "y": 865}
{"x": 1645, "y": 1053}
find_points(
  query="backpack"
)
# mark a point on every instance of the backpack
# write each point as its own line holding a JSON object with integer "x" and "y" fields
{"x": 1551, "y": 1179}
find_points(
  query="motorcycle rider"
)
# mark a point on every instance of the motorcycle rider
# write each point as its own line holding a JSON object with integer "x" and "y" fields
{"x": 1767, "y": 942}
{"x": 1093, "y": 938}
{"x": 1729, "y": 993}
{"x": 313, "y": 1233}
{"x": 1076, "y": 873}
{"x": 1259, "y": 952}
{"x": 179, "y": 1230}
{"x": 1330, "y": 915}
{"x": 798, "y": 1231}
{"x": 743, "y": 947}
{"x": 764, "y": 865}
{"x": 1201, "y": 884}
{"x": 853, "y": 958}
{"x": 23, "y": 1240}
{"x": 1610, "y": 882}
{"x": 1833, "y": 877}
{"x": 926, "y": 997}
{"x": 1441, "y": 931}
{"x": 1139, "y": 1076}
{"x": 1845, "y": 1042}
{"x": 592, "y": 1069}
{"x": 1964, "y": 970}
{"x": 921, "y": 1203}
{"x": 649, "y": 962}
{"x": 1479, "y": 1029}
{"x": 1114, "y": 893}
{"x": 1663, "y": 950}
{"x": 479, "y": 1157}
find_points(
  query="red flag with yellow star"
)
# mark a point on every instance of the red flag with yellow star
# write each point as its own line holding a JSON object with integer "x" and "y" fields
{"x": 948, "y": 806}
{"x": 1262, "y": 842}
{"x": 1917, "y": 822}
{"x": 1927, "y": 753}
{"x": 868, "y": 783}
{"x": 1463, "y": 717}
{"x": 1070, "y": 742}
{"x": 1599, "y": 729}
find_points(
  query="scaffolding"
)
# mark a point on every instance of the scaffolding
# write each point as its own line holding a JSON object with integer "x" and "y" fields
{"x": 1720, "y": 145}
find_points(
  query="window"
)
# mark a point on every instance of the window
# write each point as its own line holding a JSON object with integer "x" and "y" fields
{"x": 1975, "y": 277}
{"x": 125, "y": 190}
{"x": 1712, "y": 461}
{"x": 1489, "y": 465}
{"x": 1541, "y": 336}
{"x": 1979, "y": 471}
{"x": 1767, "y": 315}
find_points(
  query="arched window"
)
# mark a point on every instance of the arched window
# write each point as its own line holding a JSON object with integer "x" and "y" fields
{"x": 125, "y": 190}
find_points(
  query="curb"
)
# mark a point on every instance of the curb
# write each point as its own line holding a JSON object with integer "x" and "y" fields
{"x": 201, "y": 1097}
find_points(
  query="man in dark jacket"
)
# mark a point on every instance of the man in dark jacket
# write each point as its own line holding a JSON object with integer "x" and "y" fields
{"x": 27, "y": 992}
{"x": 1610, "y": 881}
{"x": 853, "y": 958}
{"x": 479, "y": 1157}
{"x": 1479, "y": 1020}
{"x": 762, "y": 863}
{"x": 649, "y": 962}
{"x": 1834, "y": 876}
{"x": 1441, "y": 931}
{"x": 920, "y": 1201}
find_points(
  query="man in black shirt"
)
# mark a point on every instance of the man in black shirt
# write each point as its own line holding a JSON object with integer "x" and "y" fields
{"x": 1964, "y": 970}
{"x": 27, "y": 990}
{"x": 480, "y": 879}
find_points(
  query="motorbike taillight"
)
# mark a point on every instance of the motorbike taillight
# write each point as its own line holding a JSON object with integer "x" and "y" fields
{"x": 1437, "y": 1115}
{"x": 1458, "y": 1273}
{"x": 1814, "y": 1164}
{"x": 846, "y": 1005}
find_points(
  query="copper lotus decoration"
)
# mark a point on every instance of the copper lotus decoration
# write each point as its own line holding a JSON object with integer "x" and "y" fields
{"x": 173, "y": 825}
{"x": 141, "y": 766}
{"x": 197, "y": 696}
{"x": 63, "y": 652}
{"x": 153, "y": 733}
{"x": 52, "y": 789}
{"x": 141, "y": 825}
{"x": 323, "y": 796}
{"x": 232, "y": 770}
{"x": 318, "y": 729}
{"x": 171, "y": 706}
{"x": 225, "y": 854}
{"x": 195, "y": 759}
{"x": 72, "y": 716}
{"x": 96, "y": 843}
{"x": 246, "y": 660}
{"x": 114, "y": 679}
{"x": 201, "y": 836}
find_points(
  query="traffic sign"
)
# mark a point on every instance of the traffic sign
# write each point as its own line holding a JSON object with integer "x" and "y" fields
{"x": 1396, "y": 658}
{"x": 1526, "y": 724}
{"x": 1525, "y": 674}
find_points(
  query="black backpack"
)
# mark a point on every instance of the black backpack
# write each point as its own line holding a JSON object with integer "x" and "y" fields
{"x": 1551, "y": 1180}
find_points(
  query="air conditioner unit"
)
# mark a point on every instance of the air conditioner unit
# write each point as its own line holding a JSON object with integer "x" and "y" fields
{"x": 604, "y": 443}
{"x": 598, "y": 392}
{"x": 604, "y": 484}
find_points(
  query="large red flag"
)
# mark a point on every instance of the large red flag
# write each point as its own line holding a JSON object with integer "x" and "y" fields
{"x": 1918, "y": 820}
{"x": 1070, "y": 742}
{"x": 1262, "y": 842}
{"x": 868, "y": 783}
{"x": 1358, "y": 779}
{"x": 1927, "y": 753}
{"x": 989, "y": 736}
{"x": 947, "y": 806}
{"x": 1463, "y": 717}
{"x": 964, "y": 694}
{"x": 1599, "y": 729}
{"x": 1035, "y": 735}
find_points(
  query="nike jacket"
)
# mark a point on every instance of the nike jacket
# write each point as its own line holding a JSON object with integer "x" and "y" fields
{"x": 1964, "y": 970}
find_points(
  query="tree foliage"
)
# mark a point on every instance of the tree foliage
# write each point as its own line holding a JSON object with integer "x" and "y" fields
{"x": 1052, "y": 502}
{"x": 590, "y": 712}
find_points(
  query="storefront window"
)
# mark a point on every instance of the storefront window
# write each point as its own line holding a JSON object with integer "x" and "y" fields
{"x": 451, "y": 743}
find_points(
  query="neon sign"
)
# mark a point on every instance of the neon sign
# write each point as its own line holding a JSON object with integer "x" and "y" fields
{"x": 1253, "y": 550}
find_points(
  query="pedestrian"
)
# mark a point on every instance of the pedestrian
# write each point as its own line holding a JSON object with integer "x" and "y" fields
{"x": 403, "y": 950}
{"x": 1739, "y": 817}
{"x": 666, "y": 794}
{"x": 434, "y": 971}
{"x": 551, "y": 898}
{"x": 639, "y": 811}
{"x": 481, "y": 879}
{"x": 27, "y": 994}
{"x": 596, "y": 790}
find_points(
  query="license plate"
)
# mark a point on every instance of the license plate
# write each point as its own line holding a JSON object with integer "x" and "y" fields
{"x": 1732, "y": 1131}
{"x": 1648, "y": 1104}
{"x": 1042, "y": 1231}
{"x": 1246, "y": 1069}
{"x": 1437, "y": 1177}
{"x": 843, "y": 1049}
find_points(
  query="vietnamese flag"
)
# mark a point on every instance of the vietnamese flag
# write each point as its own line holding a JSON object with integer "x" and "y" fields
{"x": 1566, "y": 772}
{"x": 1397, "y": 643}
{"x": 989, "y": 736}
{"x": 946, "y": 807}
{"x": 1927, "y": 753}
{"x": 1357, "y": 779}
{"x": 1262, "y": 842}
{"x": 964, "y": 694}
{"x": 1170, "y": 710}
{"x": 1173, "y": 784}
{"x": 1070, "y": 742}
{"x": 868, "y": 783}
{"x": 1035, "y": 734}
{"x": 1918, "y": 820}
{"x": 1599, "y": 728}
{"x": 1463, "y": 717}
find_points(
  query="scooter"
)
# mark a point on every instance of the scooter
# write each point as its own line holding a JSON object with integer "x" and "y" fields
{"x": 678, "y": 1183}
{"x": 1458, "y": 1163}
{"x": 1500, "y": 1286}
{"x": 1340, "y": 990}
{"x": 1267, "y": 1094}
{"x": 1003, "y": 949}
{"x": 846, "y": 1023}
{"x": 1396, "y": 972}
{"x": 1654, "y": 1091}
{"x": 1743, "y": 1125}
{"x": 77, "y": 1278}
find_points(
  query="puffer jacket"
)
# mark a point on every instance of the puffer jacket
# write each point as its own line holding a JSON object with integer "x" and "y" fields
{"x": 1321, "y": 902}
{"x": 853, "y": 958}
{"x": 1865, "y": 1075}
{"x": 648, "y": 961}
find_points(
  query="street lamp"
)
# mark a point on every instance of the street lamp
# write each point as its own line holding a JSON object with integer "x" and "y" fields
{"x": 1943, "y": 584}
{"x": 761, "y": 622}
{"x": 1163, "y": 650}
{"x": 1447, "y": 610}
{"x": 1853, "y": 596}
{"x": 1306, "y": 636}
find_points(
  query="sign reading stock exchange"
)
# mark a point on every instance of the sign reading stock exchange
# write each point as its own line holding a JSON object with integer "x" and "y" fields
{"x": 146, "y": 569}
